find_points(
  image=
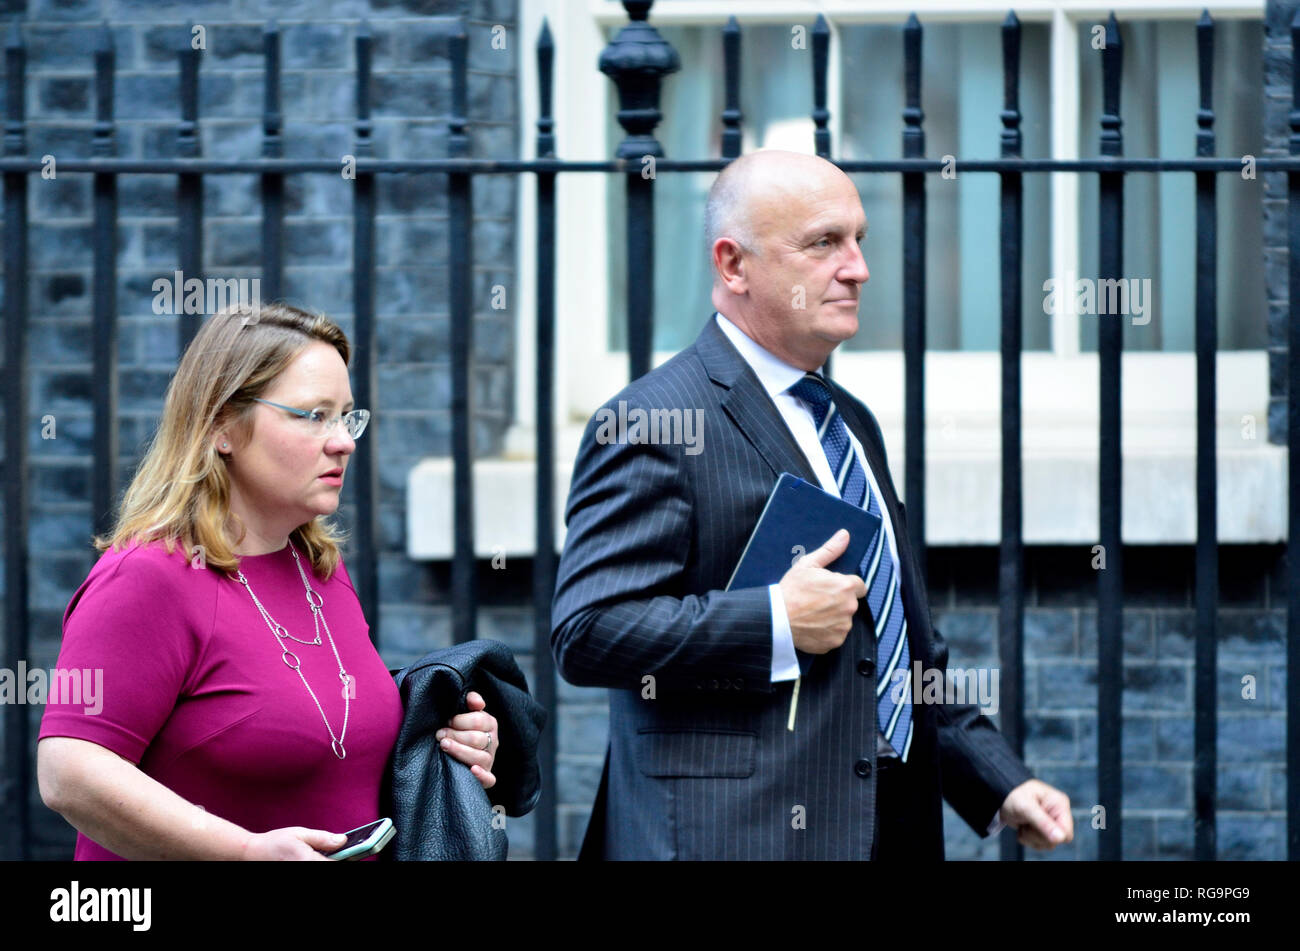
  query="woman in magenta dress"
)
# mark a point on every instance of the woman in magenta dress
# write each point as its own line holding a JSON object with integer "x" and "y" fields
{"x": 244, "y": 712}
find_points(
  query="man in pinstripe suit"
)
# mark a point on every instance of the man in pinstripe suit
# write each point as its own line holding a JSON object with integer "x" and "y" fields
{"x": 708, "y": 756}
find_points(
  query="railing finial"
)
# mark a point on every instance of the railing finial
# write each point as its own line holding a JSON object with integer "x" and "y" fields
{"x": 731, "y": 114}
{"x": 545, "y": 75}
{"x": 637, "y": 60}
{"x": 1011, "y": 134}
{"x": 1112, "y": 62}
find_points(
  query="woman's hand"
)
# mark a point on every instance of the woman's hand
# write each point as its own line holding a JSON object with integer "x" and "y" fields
{"x": 472, "y": 739}
{"x": 293, "y": 844}
{"x": 108, "y": 799}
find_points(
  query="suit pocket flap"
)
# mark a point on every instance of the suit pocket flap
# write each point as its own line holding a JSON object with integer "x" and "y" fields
{"x": 697, "y": 753}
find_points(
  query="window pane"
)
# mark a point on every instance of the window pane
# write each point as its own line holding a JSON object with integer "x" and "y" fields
{"x": 1158, "y": 105}
{"x": 961, "y": 97}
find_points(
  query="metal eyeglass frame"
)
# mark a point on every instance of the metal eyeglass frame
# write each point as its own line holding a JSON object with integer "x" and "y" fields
{"x": 362, "y": 416}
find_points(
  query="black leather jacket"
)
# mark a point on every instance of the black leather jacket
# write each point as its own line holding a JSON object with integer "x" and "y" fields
{"x": 439, "y": 810}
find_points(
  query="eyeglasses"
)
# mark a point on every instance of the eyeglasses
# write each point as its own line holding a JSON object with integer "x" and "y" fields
{"x": 354, "y": 421}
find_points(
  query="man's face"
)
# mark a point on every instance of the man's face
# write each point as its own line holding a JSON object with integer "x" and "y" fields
{"x": 805, "y": 280}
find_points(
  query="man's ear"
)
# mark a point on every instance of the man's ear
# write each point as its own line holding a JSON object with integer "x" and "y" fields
{"x": 729, "y": 262}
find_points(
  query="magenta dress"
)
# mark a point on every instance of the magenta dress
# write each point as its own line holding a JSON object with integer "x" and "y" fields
{"x": 196, "y": 694}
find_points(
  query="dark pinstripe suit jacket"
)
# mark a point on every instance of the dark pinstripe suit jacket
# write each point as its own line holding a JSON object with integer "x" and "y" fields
{"x": 700, "y": 764}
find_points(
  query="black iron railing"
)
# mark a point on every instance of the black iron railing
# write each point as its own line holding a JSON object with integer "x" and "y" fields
{"x": 637, "y": 60}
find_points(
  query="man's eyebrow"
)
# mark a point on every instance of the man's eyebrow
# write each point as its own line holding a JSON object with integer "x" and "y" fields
{"x": 816, "y": 231}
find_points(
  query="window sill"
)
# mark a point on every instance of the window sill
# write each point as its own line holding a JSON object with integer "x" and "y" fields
{"x": 962, "y": 491}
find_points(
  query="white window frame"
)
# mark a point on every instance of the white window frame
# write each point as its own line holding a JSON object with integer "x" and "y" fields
{"x": 962, "y": 388}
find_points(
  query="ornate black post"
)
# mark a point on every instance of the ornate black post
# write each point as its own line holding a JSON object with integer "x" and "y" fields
{"x": 273, "y": 182}
{"x": 365, "y": 478}
{"x": 1205, "y": 774}
{"x": 914, "y": 222}
{"x": 104, "y": 318}
{"x": 637, "y": 60}
{"x": 460, "y": 207}
{"x": 545, "y": 564}
{"x": 189, "y": 185}
{"x": 1110, "y": 579}
{"x": 16, "y": 781}
{"x": 1011, "y": 552}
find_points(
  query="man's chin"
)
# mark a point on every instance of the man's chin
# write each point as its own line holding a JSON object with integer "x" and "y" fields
{"x": 837, "y": 328}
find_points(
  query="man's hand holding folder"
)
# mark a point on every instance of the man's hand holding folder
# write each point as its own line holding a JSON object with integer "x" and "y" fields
{"x": 821, "y": 589}
{"x": 819, "y": 595}
{"x": 821, "y": 603}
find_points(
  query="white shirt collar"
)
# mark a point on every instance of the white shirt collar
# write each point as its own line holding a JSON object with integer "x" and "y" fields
{"x": 774, "y": 373}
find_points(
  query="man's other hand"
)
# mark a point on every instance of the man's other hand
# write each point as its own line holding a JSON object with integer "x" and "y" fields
{"x": 1040, "y": 813}
{"x": 819, "y": 603}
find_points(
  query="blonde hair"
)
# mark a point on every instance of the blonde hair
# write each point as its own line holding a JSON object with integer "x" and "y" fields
{"x": 181, "y": 489}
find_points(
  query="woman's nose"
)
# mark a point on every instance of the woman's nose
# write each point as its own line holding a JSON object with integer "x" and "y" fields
{"x": 340, "y": 441}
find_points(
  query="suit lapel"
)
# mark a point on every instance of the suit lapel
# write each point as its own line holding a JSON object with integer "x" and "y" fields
{"x": 748, "y": 405}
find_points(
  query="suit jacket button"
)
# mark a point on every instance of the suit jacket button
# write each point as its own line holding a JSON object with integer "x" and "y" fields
{"x": 862, "y": 768}
{"x": 866, "y": 667}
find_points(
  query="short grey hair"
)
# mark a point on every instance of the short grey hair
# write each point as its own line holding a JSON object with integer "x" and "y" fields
{"x": 724, "y": 213}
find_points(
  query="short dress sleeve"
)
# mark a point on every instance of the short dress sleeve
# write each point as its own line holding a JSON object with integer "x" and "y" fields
{"x": 129, "y": 640}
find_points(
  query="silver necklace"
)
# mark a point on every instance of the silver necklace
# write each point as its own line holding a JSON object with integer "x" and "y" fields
{"x": 316, "y": 602}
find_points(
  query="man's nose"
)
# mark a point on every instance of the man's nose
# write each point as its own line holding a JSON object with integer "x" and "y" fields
{"x": 856, "y": 268}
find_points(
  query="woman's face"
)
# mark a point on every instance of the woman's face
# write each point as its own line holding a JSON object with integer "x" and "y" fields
{"x": 289, "y": 472}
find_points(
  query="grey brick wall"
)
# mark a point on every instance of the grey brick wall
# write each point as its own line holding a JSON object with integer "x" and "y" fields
{"x": 1159, "y": 682}
{"x": 411, "y": 100}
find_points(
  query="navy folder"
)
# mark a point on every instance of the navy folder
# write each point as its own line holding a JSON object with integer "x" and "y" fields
{"x": 799, "y": 517}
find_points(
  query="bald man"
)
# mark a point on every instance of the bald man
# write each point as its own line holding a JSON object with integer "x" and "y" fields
{"x": 777, "y": 722}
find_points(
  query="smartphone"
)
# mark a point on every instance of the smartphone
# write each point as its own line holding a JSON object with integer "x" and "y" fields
{"x": 365, "y": 840}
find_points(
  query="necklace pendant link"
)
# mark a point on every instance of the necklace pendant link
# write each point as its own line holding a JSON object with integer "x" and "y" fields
{"x": 292, "y": 661}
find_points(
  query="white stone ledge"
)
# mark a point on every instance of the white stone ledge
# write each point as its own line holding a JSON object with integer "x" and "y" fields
{"x": 962, "y": 494}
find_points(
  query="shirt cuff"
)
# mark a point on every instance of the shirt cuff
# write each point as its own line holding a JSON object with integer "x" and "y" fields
{"x": 785, "y": 665}
{"x": 997, "y": 825}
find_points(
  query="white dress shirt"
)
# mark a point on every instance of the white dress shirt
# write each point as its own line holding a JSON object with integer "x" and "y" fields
{"x": 777, "y": 376}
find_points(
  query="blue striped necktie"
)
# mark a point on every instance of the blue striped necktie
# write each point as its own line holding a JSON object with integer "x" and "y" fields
{"x": 878, "y": 566}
